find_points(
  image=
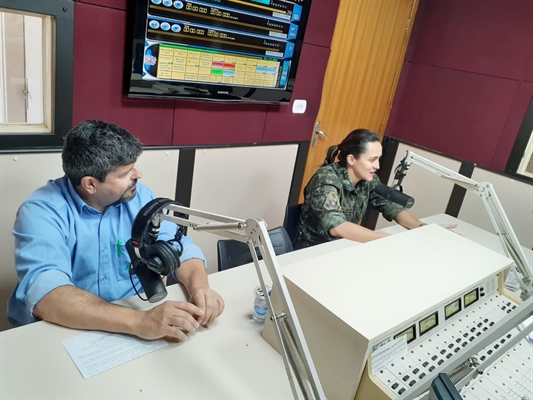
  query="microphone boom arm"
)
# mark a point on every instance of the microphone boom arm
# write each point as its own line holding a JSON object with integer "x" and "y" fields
{"x": 498, "y": 218}
{"x": 254, "y": 233}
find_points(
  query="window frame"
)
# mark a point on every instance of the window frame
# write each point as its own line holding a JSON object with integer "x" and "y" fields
{"x": 525, "y": 134}
{"x": 62, "y": 86}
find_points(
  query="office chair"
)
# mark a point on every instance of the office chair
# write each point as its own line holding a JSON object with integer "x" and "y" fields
{"x": 231, "y": 253}
{"x": 290, "y": 223}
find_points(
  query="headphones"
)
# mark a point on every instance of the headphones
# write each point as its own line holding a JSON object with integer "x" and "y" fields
{"x": 160, "y": 256}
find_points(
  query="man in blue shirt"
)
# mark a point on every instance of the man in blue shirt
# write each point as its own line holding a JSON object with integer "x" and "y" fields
{"x": 70, "y": 249}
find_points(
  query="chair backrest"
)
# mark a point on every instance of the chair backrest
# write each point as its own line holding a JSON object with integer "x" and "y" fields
{"x": 231, "y": 253}
{"x": 290, "y": 223}
{"x": 281, "y": 242}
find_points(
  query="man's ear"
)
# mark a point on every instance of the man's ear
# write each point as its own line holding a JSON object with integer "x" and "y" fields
{"x": 88, "y": 184}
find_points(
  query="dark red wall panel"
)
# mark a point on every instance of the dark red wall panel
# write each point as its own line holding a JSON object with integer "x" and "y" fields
{"x": 99, "y": 67}
{"x": 428, "y": 29}
{"x": 488, "y": 37}
{"x": 281, "y": 123}
{"x": 476, "y": 60}
{"x": 528, "y": 72}
{"x": 321, "y": 23}
{"x": 202, "y": 123}
{"x": 407, "y": 109}
{"x": 117, "y": 4}
{"x": 512, "y": 126}
{"x": 464, "y": 114}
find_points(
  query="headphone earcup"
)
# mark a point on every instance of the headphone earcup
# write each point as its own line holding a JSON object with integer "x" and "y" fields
{"x": 162, "y": 257}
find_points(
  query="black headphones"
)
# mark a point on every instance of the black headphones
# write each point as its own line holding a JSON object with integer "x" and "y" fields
{"x": 158, "y": 255}
{"x": 150, "y": 257}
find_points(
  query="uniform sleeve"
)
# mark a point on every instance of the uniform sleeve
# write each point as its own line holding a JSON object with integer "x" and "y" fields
{"x": 387, "y": 208}
{"x": 42, "y": 257}
{"x": 325, "y": 203}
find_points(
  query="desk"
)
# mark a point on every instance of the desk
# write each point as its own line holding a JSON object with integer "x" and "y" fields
{"x": 230, "y": 360}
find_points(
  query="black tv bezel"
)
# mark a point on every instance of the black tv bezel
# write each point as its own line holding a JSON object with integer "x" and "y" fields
{"x": 139, "y": 88}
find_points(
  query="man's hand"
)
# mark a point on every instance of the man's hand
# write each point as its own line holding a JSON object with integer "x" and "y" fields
{"x": 172, "y": 320}
{"x": 210, "y": 302}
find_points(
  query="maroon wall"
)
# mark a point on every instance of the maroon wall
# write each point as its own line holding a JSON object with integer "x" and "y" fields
{"x": 467, "y": 78}
{"x": 102, "y": 41}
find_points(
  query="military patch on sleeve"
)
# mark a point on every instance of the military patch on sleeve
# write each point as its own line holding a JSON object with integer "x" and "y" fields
{"x": 332, "y": 201}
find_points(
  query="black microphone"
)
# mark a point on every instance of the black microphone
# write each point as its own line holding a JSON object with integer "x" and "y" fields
{"x": 390, "y": 193}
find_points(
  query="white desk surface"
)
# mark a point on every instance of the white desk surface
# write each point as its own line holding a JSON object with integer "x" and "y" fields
{"x": 230, "y": 360}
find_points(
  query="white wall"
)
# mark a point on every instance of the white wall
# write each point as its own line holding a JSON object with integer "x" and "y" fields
{"x": 244, "y": 183}
{"x": 20, "y": 175}
{"x": 516, "y": 199}
{"x": 431, "y": 193}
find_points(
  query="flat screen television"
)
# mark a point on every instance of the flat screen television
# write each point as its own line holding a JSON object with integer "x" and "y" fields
{"x": 217, "y": 50}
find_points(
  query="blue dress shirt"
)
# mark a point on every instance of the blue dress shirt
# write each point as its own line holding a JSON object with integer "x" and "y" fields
{"x": 60, "y": 240}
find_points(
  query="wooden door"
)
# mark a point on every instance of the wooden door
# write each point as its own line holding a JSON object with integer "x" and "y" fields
{"x": 367, "y": 54}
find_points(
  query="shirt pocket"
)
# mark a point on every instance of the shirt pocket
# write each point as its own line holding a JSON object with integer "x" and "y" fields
{"x": 122, "y": 261}
{"x": 348, "y": 213}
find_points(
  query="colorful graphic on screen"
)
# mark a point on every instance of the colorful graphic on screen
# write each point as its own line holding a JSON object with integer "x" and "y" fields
{"x": 227, "y": 42}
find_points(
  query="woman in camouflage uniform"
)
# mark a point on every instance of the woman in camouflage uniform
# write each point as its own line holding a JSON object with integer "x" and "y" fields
{"x": 338, "y": 194}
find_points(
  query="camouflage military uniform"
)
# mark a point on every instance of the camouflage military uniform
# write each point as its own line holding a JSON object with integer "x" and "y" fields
{"x": 331, "y": 199}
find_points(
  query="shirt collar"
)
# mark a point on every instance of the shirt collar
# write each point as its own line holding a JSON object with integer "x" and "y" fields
{"x": 342, "y": 172}
{"x": 347, "y": 182}
{"x": 79, "y": 203}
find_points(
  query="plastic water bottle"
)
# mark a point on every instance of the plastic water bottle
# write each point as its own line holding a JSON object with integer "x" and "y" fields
{"x": 260, "y": 305}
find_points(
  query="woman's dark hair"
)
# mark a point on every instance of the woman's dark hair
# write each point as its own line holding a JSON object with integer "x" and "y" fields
{"x": 356, "y": 143}
{"x": 96, "y": 148}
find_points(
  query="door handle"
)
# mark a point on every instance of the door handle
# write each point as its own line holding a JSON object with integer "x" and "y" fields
{"x": 317, "y": 133}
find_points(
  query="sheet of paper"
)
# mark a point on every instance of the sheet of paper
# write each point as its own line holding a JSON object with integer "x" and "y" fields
{"x": 96, "y": 352}
{"x": 511, "y": 282}
{"x": 388, "y": 353}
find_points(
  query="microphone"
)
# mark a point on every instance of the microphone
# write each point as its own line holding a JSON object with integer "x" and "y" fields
{"x": 390, "y": 193}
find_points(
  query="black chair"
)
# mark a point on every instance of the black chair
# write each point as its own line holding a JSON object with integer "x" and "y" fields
{"x": 231, "y": 253}
{"x": 290, "y": 223}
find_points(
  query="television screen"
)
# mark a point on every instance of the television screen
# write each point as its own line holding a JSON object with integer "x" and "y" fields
{"x": 218, "y": 50}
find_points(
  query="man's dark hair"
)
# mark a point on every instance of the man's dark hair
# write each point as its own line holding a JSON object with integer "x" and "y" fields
{"x": 96, "y": 148}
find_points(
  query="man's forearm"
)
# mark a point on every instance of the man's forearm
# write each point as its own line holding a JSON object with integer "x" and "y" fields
{"x": 76, "y": 308}
{"x": 192, "y": 275}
